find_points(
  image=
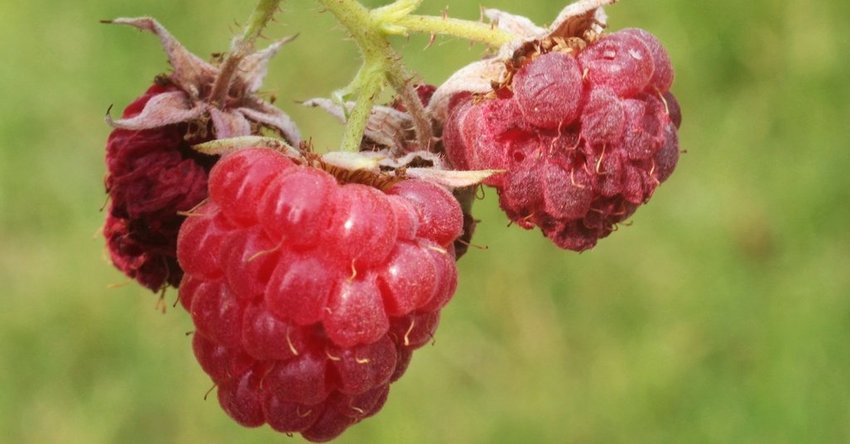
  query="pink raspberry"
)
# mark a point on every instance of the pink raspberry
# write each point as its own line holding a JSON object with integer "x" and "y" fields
{"x": 309, "y": 295}
{"x": 584, "y": 135}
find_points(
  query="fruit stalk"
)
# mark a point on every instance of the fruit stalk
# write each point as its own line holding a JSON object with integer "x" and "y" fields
{"x": 382, "y": 64}
{"x": 465, "y": 29}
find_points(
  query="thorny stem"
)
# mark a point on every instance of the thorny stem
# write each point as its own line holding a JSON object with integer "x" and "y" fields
{"x": 369, "y": 29}
{"x": 382, "y": 65}
{"x": 262, "y": 15}
{"x": 241, "y": 47}
{"x": 378, "y": 58}
{"x": 358, "y": 117}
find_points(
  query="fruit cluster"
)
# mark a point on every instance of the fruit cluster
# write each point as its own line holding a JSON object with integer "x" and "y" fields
{"x": 584, "y": 133}
{"x": 310, "y": 278}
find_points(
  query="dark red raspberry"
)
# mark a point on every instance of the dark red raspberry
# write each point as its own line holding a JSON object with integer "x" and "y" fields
{"x": 153, "y": 174}
{"x": 309, "y": 295}
{"x": 584, "y": 135}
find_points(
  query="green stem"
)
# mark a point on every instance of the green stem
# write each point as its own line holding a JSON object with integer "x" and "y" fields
{"x": 381, "y": 63}
{"x": 369, "y": 81}
{"x": 356, "y": 19}
{"x": 262, "y": 15}
{"x": 474, "y": 31}
{"x": 358, "y": 117}
{"x": 369, "y": 29}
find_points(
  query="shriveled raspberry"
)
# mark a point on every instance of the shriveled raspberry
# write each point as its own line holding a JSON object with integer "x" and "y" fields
{"x": 594, "y": 136}
{"x": 309, "y": 295}
{"x": 153, "y": 175}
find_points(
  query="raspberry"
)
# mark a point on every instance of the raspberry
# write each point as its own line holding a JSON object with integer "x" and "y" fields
{"x": 153, "y": 175}
{"x": 309, "y": 295}
{"x": 584, "y": 134}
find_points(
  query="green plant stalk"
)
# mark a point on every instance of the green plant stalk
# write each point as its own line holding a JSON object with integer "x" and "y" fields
{"x": 381, "y": 63}
{"x": 378, "y": 59}
{"x": 262, "y": 15}
{"x": 465, "y": 29}
{"x": 368, "y": 85}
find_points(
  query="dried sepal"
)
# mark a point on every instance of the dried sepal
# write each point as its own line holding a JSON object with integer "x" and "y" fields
{"x": 163, "y": 109}
{"x": 386, "y": 127}
{"x": 362, "y": 161}
{"x": 512, "y": 23}
{"x": 449, "y": 178}
{"x": 254, "y": 67}
{"x": 194, "y": 77}
{"x": 223, "y": 147}
{"x": 580, "y": 17}
{"x": 423, "y": 165}
{"x": 189, "y": 70}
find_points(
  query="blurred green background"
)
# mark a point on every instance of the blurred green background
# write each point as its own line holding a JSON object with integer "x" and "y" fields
{"x": 722, "y": 314}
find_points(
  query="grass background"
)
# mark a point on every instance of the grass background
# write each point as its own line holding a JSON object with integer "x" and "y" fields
{"x": 721, "y": 315}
